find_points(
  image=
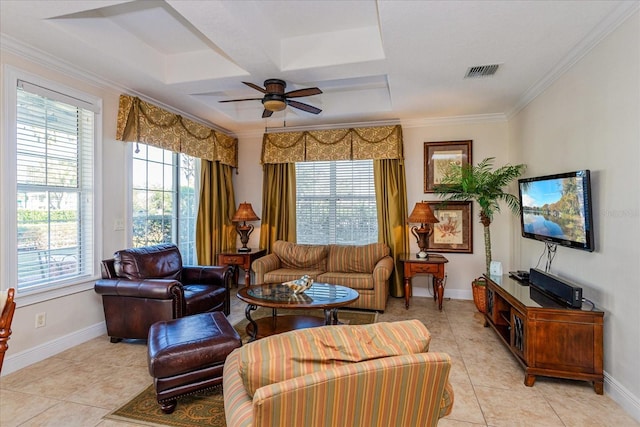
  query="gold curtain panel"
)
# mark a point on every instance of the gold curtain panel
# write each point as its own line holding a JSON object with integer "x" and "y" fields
{"x": 383, "y": 142}
{"x": 140, "y": 121}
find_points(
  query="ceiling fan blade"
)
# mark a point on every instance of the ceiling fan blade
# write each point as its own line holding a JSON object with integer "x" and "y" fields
{"x": 266, "y": 113}
{"x": 303, "y": 92}
{"x": 245, "y": 99}
{"x": 256, "y": 87}
{"x": 304, "y": 107}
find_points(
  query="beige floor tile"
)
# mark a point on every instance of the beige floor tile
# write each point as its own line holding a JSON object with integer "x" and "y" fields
{"x": 466, "y": 407}
{"x": 68, "y": 414}
{"x": 516, "y": 407}
{"x": 19, "y": 407}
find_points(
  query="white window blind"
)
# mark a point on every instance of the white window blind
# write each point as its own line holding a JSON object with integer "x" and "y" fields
{"x": 55, "y": 200}
{"x": 336, "y": 203}
{"x": 165, "y": 199}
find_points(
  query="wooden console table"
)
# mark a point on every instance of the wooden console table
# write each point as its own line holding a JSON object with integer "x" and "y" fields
{"x": 433, "y": 265}
{"x": 240, "y": 259}
{"x": 547, "y": 338}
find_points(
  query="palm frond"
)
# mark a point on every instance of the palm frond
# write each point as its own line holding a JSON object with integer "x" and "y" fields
{"x": 482, "y": 184}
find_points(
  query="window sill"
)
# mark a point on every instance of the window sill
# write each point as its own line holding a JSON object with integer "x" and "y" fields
{"x": 35, "y": 297}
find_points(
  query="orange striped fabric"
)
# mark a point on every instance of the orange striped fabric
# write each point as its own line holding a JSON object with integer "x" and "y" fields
{"x": 355, "y": 259}
{"x": 353, "y": 280}
{"x": 297, "y": 353}
{"x": 395, "y": 391}
{"x": 238, "y": 405}
{"x": 263, "y": 265}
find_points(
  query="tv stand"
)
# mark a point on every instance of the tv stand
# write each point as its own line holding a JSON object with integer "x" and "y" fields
{"x": 546, "y": 338}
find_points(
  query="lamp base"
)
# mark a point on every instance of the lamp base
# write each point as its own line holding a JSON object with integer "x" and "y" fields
{"x": 422, "y": 255}
{"x": 244, "y": 249}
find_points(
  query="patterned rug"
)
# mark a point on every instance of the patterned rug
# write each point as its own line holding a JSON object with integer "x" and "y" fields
{"x": 206, "y": 408}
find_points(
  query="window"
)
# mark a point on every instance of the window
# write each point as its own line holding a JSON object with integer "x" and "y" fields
{"x": 165, "y": 202}
{"x": 50, "y": 164}
{"x": 336, "y": 203}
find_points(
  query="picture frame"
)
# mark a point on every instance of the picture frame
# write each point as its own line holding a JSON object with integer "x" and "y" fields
{"x": 438, "y": 155}
{"x": 454, "y": 232}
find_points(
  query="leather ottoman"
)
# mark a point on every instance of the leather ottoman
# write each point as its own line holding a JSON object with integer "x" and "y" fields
{"x": 187, "y": 355}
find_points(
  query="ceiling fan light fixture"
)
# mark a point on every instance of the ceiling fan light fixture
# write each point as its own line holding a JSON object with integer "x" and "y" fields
{"x": 274, "y": 104}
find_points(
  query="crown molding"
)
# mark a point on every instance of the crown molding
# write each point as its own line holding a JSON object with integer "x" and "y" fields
{"x": 602, "y": 30}
{"x": 50, "y": 62}
{"x": 455, "y": 120}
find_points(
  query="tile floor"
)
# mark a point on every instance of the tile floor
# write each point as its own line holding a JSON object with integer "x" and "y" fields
{"x": 79, "y": 386}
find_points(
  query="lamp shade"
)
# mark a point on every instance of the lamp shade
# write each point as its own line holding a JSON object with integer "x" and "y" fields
{"x": 245, "y": 213}
{"x": 422, "y": 214}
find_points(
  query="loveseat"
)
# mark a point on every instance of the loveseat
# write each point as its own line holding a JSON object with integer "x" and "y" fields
{"x": 362, "y": 375}
{"x": 365, "y": 268}
{"x": 141, "y": 286}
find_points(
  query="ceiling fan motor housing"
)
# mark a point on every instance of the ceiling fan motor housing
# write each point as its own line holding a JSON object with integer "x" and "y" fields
{"x": 275, "y": 86}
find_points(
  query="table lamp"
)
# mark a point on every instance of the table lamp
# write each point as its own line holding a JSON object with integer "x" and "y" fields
{"x": 243, "y": 214}
{"x": 423, "y": 215}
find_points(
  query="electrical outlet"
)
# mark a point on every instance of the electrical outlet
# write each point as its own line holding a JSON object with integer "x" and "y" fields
{"x": 41, "y": 320}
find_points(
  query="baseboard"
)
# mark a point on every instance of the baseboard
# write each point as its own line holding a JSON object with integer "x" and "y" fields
{"x": 28, "y": 357}
{"x": 419, "y": 291}
{"x": 622, "y": 396}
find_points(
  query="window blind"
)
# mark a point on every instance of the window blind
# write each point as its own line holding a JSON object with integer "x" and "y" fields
{"x": 54, "y": 176}
{"x": 336, "y": 203}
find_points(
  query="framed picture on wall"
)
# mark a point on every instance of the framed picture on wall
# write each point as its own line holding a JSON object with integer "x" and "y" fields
{"x": 439, "y": 155}
{"x": 454, "y": 232}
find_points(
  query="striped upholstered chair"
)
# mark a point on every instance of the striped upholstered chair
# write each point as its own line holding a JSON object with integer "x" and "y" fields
{"x": 365, "y": 375}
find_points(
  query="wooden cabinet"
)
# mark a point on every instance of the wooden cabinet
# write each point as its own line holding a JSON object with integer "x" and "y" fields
{"x": 546, "y": 338}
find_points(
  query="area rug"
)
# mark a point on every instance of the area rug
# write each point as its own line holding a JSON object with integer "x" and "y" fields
{"x": 207, "y": 407}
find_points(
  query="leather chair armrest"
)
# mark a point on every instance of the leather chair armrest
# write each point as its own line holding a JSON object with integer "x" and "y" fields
{"x": 148, "y": 288}
{"x": 207, "y": 274}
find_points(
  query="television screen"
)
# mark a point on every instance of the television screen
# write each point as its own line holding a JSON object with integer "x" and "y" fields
{"x": 557, "y": 209}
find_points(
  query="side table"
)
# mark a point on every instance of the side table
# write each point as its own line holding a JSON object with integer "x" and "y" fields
{"x": 433, "y": 265}
{"x": 240, "y": 259}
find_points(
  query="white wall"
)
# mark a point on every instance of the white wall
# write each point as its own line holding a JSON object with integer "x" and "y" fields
{"x": 75, "y": 318}
{"x": 590, "y": 119}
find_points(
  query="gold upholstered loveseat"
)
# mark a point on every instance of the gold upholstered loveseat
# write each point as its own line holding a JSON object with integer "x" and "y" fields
{"x": 378, "y": 375}
{"x": 365, "y": 268}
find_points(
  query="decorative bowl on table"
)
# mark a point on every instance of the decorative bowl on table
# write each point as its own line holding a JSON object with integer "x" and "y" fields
{"x": 299, "y": 285}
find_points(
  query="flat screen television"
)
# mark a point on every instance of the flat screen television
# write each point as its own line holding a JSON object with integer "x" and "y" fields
{"x": 557, "y": 209}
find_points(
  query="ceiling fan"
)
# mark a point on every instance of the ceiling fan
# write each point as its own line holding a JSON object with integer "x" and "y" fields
{"x": 275, "y": 98}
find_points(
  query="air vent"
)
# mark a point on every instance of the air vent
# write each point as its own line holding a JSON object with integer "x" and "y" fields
{"x": 481, "y": 71}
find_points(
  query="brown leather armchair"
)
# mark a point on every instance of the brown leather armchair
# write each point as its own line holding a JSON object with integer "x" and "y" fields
{"x": 141, "y": 286}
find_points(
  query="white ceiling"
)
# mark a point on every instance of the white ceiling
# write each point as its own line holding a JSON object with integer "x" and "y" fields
{"x": 374, "y": 60}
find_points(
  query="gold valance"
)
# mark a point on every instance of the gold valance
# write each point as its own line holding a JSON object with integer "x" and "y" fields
{"x": 140, "y": 121}
{"x": 383, "y": 142}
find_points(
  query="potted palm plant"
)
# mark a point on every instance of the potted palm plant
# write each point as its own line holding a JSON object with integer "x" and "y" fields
{"x": 487, "y": 187}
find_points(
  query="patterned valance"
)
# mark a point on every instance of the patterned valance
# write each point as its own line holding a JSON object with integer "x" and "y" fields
{"x": 139, "y": 121}
{"x": 384, "y": 142}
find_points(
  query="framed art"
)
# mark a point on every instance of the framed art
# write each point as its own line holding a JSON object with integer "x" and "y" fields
{"x": 438, "y": 156}
{"x": 454, "y": 232}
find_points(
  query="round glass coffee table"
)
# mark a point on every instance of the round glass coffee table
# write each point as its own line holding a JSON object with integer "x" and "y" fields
{"x": 322, "y": 296}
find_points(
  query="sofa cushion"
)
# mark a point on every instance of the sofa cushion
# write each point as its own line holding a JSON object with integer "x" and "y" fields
{"x": 296, "y": 353}
{"x": 282, "y": 275}
{"x": 358, "y": 281}
{"x": 355, "y": 259}
{"x": 311, "y": 257}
